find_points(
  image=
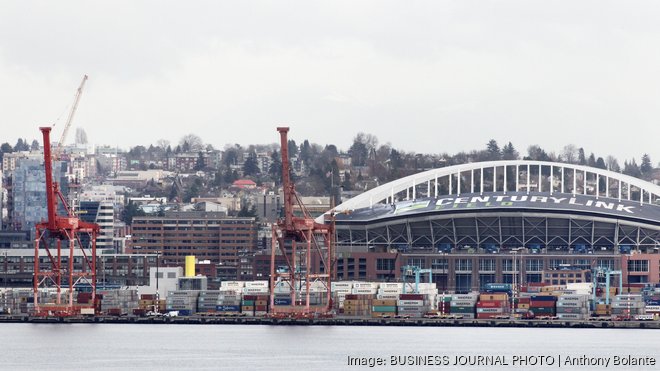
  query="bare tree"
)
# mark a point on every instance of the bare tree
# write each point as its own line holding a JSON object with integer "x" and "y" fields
{"x": 569, "y": 153}
{"x": 191, "y": 142}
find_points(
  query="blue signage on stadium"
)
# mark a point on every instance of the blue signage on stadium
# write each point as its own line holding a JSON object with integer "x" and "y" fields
{"x": 513, "y": 200}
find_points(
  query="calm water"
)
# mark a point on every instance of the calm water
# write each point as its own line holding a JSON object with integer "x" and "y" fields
{"x": 236, "y": 347}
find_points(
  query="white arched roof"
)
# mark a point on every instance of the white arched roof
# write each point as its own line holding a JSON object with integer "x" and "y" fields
{"x": 649, "y": 192}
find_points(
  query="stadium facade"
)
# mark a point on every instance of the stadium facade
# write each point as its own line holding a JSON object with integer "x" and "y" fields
{"x": 502, "y": 221}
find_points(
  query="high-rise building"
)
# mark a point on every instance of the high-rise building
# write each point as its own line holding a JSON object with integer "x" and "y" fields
{"x": 29, "y": 193}
{"x": 101, "y": 213}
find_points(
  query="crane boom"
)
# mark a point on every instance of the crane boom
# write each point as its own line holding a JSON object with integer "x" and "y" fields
{"x": 60, "y": 144}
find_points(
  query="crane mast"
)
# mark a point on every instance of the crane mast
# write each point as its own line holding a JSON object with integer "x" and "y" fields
{"x": 67, "y": 125}
{"x": 305, "y": 246}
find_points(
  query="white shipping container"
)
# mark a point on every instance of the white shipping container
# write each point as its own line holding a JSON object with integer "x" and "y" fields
{"x": 341, "y": 291}
{"x": 364, "y": 291}
{"x": 490, "y": 310}
{"x": 365, "y": 285}
{"x": 456, "y": 303}
{"x": 389, "y": 291}
{"x": 232, "y": 284}
{"x": 341, "y": 285}
{"x": 410, "y": 303}
{"x": 410, "y": 309}
{"x": 653, "y": 308}
{"x": 387, "y": 296}
{"x": 466, "y": 297}
{"x": 256, "y": 284}
{"x": 391, "y": 285}
{"x": 574, "y": 316}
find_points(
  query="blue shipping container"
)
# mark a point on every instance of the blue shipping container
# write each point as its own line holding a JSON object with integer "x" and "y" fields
{"x": 185, "y": 312}
{"x": 228, "y": 308}
{"x": 543, "y": 298}
{"x": 282, "y": 301}
{"x": 497, "y": 287}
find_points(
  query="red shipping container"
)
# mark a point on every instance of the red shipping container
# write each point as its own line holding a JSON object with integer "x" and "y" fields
{"x": 523, "y": 300}
{"x": 260, "y": 308}
{"x": 262, "y": 297}
{"x": 491, "y": 304}
{"x": 147, "y": 297}
{"x": 249, "y": 297}
{"x": 351, "y": 297}
{"x": 541, "y": 304}
{"x": 408, "y": 297}
{"x": 537, "y": 284}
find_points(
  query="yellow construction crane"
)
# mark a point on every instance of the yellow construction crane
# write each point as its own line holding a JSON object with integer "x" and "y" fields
{"x": 58, "y": 150}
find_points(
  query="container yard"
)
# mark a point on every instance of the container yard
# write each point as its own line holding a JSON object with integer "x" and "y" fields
{"x": 356, "y": 302}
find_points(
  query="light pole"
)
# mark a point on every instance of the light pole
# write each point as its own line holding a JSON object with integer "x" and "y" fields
{"x": 4, "y": 294}
{"x": 514, "y": 284}
{"x": 156, "y": 307}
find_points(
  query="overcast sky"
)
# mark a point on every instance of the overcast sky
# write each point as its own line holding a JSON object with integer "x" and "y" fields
{"x": 426, "y": 76}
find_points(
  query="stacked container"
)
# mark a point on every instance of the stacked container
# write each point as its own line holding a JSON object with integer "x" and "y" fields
{"x": 573, "y": 306}
{"x": 521, "y": 306}
{"x": 413, "y": 305}
{"x": 463, "y": 305}
{"x": 358, "y": 305}
{"x": 184, "y": 302}
{"x": 207, "y": 301}
{"x": 381, "y": 308}
{"x": 339, "y": 291}
{"x": 389, "y": 290}
{"x": 628, "y": 305}
{"x": 255, "y": 305}
{"x": 119, "y": 302}
{"x": 229, "y": 302}
{"x": 543, "y": 305}
{"x": 493, "y": 305}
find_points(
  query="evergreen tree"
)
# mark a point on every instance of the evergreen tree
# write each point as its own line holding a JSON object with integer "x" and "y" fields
{"x": 130, "y": 211}
{"x": 34, "y": 146}
{"x": 646, "y": 167}
{"x": 493, "y": 150}
{"x": 250, "y": 166}
{"x": 509, "y": 152}
{"x": 582, "y": 160}
{"x": 275, "y": 169}
{"x": 199, "y": 165}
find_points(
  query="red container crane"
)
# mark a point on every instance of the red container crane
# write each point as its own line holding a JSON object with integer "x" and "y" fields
{"x": 316, "y": 241}
{"x": 49, "y": 237}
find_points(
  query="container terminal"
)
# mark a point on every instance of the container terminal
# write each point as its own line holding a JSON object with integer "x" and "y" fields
{"x": 490, "y": 243}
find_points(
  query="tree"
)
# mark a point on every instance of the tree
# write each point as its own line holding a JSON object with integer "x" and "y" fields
{"x": 631, "y": 168}
{"x": 600, "y": 163}
{"x": 34, "y": 146}
{"x": 305, "y": 151}
{"x": 200, "y": 164}
{"x": 275, "y": 169}
{"x": 592, "y": 160}
{"x": 582, "y": 160}
{"x": 359, "y": 150}
{"x": 130, "y": 211}
{"x": 570, "y": 153}
{"x": 293, "y": 148}
{"x": 192, "y": 142}
{"x": 493, "y": 150}
{"x": 646, "y": 167}
{"x": 509, "y": 152}
{"x": 537, "y": 153}
{"x": 613, "y": 164}
{"x": 6, "y": 148}
{"x": 21, "y": 145}
{"x": 246, "y": 212}
{"x": 250, "y": 166}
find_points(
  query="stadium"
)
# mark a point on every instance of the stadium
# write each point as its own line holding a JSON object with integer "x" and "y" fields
{"x": 502, "y": 221}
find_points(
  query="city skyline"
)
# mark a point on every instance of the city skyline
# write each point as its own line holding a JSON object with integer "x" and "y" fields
{"x": 429, "y": 78}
